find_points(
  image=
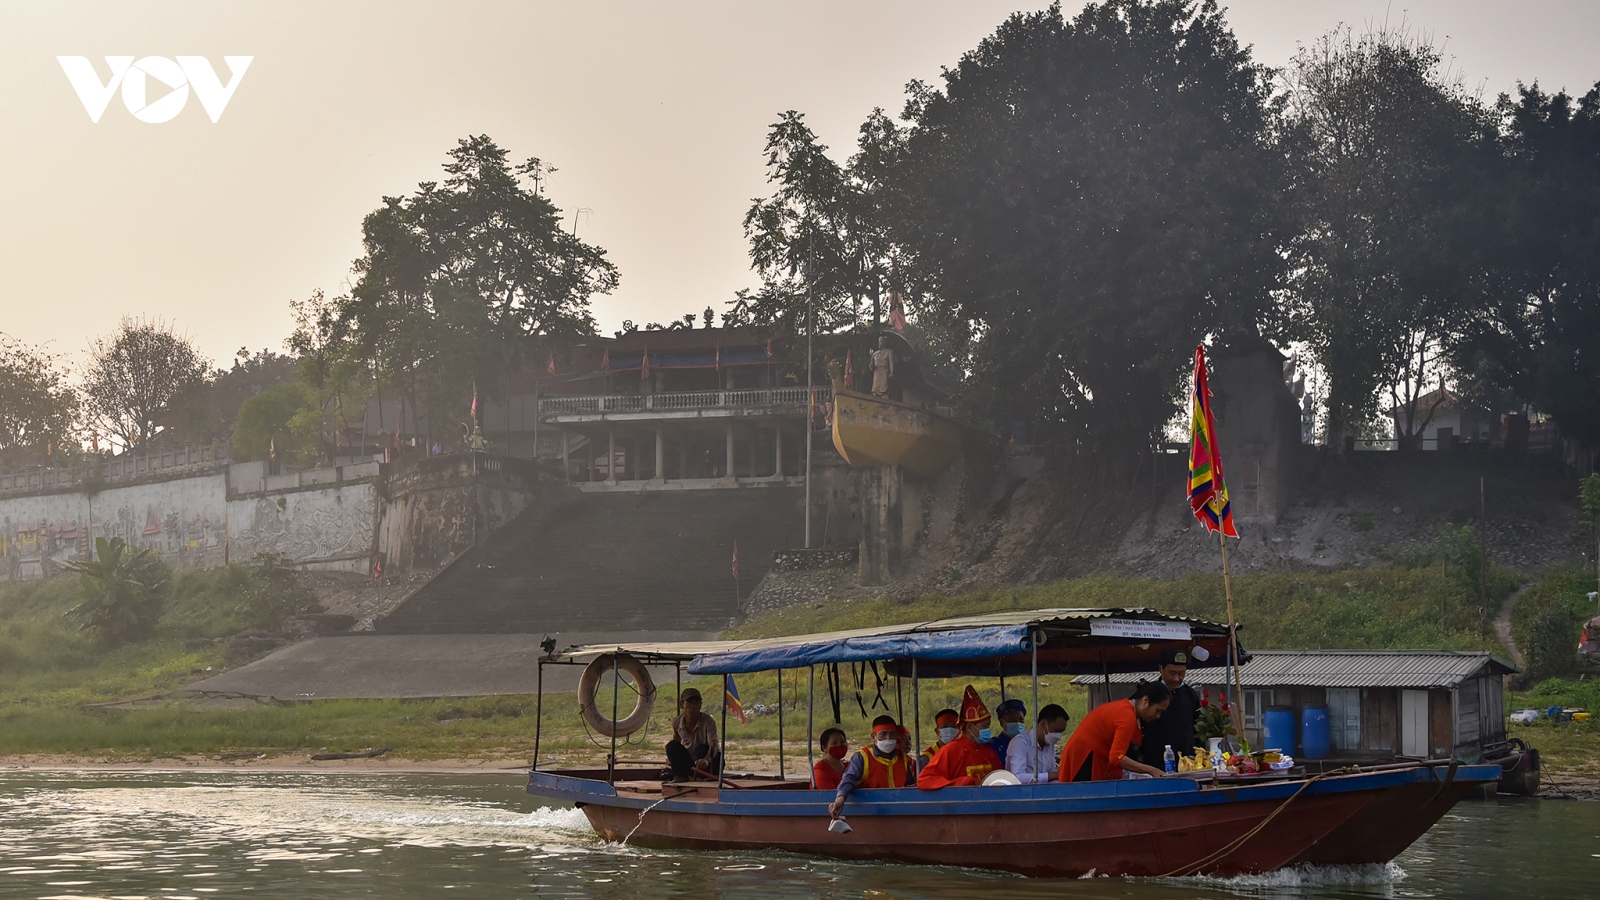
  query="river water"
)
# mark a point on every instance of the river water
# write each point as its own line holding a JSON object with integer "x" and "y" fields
{"x": 194, "y": 835}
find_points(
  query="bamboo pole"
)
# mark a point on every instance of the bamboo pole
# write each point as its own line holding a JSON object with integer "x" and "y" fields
{"x": 1233, "y": 641}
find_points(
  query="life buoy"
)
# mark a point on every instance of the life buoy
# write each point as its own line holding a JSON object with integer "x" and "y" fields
{"x": 600, "y": 668}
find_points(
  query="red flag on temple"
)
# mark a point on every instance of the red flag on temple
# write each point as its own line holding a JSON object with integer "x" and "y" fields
{"x": 644, "y": 365}
{"x": 605, "y": 362}
{"x": 897, "y": 311}
{"x": 552, "y": 367}
{"x": 849, "y": 374}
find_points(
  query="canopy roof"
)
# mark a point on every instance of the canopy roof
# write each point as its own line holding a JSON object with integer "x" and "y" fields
{"x": 1070, "y": 641}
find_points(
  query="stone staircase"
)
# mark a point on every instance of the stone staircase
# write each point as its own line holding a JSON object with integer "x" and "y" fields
{"x": 653, "y": 560}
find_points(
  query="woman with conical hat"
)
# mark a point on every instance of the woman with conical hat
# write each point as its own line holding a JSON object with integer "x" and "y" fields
{"x": 966, "y": 760}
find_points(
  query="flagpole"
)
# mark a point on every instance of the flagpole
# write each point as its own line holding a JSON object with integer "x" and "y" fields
{"x": 1233, "y": 641}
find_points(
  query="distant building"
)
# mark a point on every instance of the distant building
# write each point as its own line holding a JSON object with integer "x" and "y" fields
{"x": 1380, "y": 703}
{"x": 1455, "y": 422}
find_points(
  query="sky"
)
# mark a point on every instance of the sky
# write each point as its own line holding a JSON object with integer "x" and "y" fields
{"x": 654, "y": 114}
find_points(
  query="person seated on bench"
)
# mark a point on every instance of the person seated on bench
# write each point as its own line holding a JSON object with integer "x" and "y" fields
{"x": 881, "y": 764}
{"x": 830, "y": 768}
{"x": 968, "y": 759}
{"x": 694, "y": 740}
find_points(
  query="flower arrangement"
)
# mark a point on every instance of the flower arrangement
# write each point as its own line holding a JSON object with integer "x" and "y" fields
{"x": 1214, "y": 721}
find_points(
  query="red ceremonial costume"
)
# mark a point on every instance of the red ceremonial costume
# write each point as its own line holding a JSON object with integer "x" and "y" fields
{"x": 824, "y": 777}
{"x": 1101, "y": 741}
{"x": 963, "y": 762}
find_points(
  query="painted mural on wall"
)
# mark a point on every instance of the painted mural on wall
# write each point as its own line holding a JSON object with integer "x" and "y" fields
{"x": 333, "y": 524}
{"x": 190, "y": 522}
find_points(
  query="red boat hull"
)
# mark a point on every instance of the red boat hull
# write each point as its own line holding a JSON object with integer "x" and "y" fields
{"x": 1151, "y": 842}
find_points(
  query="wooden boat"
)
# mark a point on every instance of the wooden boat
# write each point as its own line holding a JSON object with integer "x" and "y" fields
{"x": 876, "y": 431}
{"x": 1179, "y": 825}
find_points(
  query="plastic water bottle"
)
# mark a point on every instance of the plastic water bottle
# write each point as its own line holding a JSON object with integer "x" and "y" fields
{"x": 1171, "y": 760}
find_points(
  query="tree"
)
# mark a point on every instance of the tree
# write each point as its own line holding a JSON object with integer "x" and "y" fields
{"x": 465, "y": 279}
{"x": 123, "y": 589}
{"x": 1387, "y": 153}
{"x": 38, "y": 411}
{"x": 820, "y": 242}
{"x": 137, "y": 377}
{"x": 1087, "y": 201}
{"x": 1537, "y": 338}
{"x": 284, "y": 421}
{"x": 1589, "y": 500}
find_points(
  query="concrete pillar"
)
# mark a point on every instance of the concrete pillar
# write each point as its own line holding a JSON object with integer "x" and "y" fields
{"x": 661, "y": 470}
{"x": 611, "y": 460}
{"x": 566, "y": 468}
{"x": 728, "y": 472}
{"x": 879, "y": 489}
{"x": 777, "y": 458}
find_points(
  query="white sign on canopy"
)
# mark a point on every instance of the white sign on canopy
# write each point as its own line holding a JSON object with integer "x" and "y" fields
{"x": 1140, "y": 628}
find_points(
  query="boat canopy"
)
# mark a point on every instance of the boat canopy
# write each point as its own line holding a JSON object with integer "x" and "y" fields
{"x": 1070, "y": 641}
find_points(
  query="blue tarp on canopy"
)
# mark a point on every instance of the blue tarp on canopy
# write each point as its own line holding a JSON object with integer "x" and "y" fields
{"x": 955, "y": 644}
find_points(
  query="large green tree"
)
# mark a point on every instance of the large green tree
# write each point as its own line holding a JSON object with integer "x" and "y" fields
{"x": 463, "y": 280}
{"x": 1388, "y": 155}
{"x": 1088, "y": 199}
{"x": 38, "y": 410}
{"x": 138, "y": 378}
{"x": 1539, "y": 337}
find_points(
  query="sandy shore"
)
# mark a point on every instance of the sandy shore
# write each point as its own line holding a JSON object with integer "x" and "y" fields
{"x": 510, "y": 767}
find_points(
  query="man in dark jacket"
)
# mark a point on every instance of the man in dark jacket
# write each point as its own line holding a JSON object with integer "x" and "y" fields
{"x": 1176, "y": 725}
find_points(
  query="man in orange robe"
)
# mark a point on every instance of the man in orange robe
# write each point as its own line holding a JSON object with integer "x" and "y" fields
{"x": 966, "y": 760}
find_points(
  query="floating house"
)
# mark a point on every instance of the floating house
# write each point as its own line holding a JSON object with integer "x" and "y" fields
{"x": 1359, "y": 704}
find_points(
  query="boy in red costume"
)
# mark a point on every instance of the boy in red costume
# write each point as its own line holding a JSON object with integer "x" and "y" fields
{"x": 966, "y": 760}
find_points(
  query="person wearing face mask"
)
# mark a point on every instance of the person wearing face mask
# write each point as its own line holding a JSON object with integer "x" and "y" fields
{"x": 1032, "y": 758}
{"x": 966, "y": 760}
{"x": 1012, "y": 715}
{"x": 882, "y": 765}
{"x": 829, "y": 769}
{"x": 946, "y": 725}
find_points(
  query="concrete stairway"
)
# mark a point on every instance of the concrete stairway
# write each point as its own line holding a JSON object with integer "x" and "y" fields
{"x": 611, "y": 562}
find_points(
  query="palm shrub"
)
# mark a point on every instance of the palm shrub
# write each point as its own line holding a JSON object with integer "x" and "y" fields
{"x": 122, "y": 589}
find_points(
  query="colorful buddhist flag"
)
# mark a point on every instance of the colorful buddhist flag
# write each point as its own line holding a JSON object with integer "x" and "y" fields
{"x": 897, "y": 311}
{"x": 1208, "y": 493}
{"x": 731, "y": 697}
{"x": 849, "y": 372}
{"x": 552, "y": 367}
{"x": 474, "y": 400}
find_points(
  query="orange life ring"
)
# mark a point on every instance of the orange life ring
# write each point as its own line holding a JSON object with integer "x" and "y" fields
{"x": 600, "y": 668}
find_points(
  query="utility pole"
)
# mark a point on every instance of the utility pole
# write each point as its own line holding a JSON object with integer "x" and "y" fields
{"x": 811, "y": 391}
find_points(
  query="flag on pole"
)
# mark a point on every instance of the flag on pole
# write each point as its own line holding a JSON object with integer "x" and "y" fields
{"x": 474, "y": 401}
{"x": 605, "y": 361}
{"x": 552, "y": 367}
{"x": 1208, "y": 492}
{"x": 736, "y": 559}
{"x": 719, "y": 357}
{"x": 644, "y": 365}
{"x": 849, "y": 372}
{"x": 731, "y": 698}
{"x": 897, "y": 311}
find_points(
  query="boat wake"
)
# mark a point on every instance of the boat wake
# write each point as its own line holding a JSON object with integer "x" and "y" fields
{"x": 1305, "y": 877}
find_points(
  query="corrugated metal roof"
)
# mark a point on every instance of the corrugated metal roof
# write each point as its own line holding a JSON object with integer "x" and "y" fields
{"x": 1345, "y": 668}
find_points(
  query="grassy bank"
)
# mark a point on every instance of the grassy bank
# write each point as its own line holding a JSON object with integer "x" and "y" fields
{"x": 51, "y": 675}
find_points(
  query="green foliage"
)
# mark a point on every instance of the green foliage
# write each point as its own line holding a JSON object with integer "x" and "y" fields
{"x": 1464, "y": 555}
{"x": 122, "y": 590}
{"x": 1589, "y": 499}
{"x": 138, "y": 378}
{"x": 38, "y": 410}
{"x": 1386, "y": 150}
{"x": 285, "y": 418}
{"x": 1548, "y": 620}
{"x": 1084, "y": 258}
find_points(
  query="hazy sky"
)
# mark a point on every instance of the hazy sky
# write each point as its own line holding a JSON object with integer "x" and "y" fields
{"x": 655, "y": 114}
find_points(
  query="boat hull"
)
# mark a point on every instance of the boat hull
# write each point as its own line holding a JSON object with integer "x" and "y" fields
{"x": 1139, "y": 828}
{"x": 871, "y": 431}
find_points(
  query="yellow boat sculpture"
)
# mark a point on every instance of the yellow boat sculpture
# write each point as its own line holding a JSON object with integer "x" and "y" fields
{"x": 876, "y": 431}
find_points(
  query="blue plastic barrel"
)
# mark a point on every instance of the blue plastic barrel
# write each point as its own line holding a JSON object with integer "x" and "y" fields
{"x": 1277, "y": 729}
{"x": 1316, "y": 740}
